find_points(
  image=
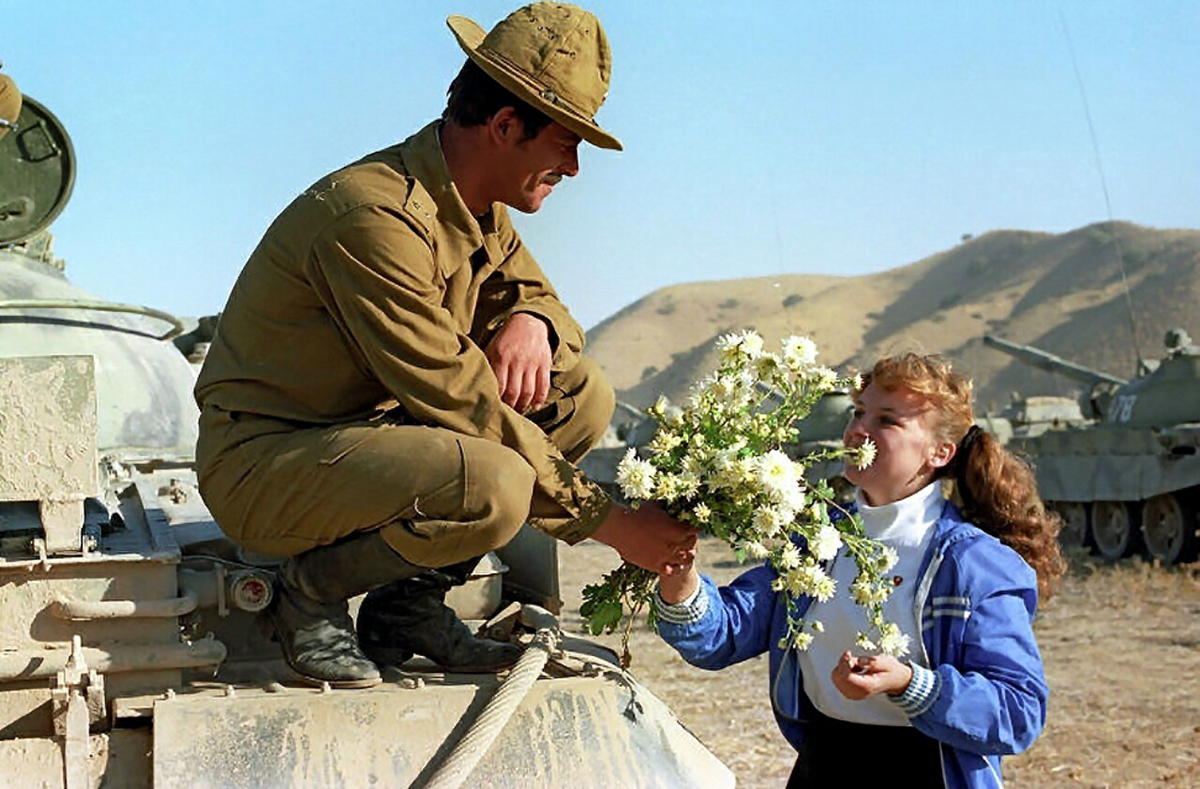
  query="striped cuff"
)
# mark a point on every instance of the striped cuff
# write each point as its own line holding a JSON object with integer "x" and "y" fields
{"x": 920, "y": 693}
{"x": 687, "y": 612}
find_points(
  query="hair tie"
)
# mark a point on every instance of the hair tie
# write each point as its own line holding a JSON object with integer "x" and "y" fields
{"x": 960, "y": 463}
{"x": 968, "y": 440}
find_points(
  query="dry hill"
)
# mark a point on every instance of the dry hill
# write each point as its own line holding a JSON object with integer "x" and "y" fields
{"x": 1061, "y": 292}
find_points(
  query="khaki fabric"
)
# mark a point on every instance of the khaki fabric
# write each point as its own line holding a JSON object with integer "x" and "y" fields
{"x": 438, "y": 496}
{"x": 368, "y": 302}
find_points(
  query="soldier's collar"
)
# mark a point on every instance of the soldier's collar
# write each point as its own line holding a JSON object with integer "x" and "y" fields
{"x": 424, "y": 161}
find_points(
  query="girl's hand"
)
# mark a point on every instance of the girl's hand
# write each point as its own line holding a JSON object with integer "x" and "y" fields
{"x": 861, "y": 677}
{"x": 677, "y": 582}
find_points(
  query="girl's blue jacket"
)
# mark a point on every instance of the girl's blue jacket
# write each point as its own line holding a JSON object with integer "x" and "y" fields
{"x": 985, "y": 692}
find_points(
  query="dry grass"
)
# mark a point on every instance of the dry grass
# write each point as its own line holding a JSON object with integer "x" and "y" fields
{"x": 1121, "y": 646}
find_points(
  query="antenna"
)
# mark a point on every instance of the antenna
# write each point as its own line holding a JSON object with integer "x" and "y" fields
{"x": 1087, "y": 111}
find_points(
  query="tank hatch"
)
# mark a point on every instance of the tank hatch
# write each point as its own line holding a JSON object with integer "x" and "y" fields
{"x": 37, "y": 173}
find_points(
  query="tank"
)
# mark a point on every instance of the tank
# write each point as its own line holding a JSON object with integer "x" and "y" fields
{"x": 130, "y": 648}
{"x": 1127, "y": 475}
{"x": 1030, "y": 416}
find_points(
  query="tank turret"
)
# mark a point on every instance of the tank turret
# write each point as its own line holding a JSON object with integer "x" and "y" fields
{"x": 1130, "y": 477}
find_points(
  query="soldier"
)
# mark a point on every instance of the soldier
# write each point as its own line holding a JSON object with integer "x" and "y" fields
{"x": 394, "y": 387}
{"x": 10, "y": 104}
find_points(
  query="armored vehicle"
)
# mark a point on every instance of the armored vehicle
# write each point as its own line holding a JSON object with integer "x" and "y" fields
{"x": 130, "y": 653}
{"x": 1129, "y": 475}
{"x": 1030, "y": 416}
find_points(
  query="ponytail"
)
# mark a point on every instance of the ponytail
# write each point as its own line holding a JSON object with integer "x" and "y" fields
{"x": 999, "y": 495}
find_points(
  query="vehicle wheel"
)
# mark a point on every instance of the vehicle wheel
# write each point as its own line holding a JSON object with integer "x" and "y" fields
{"x": 1169, "y": 527}
{"x": 1114, "y": 528}
{"x": 1076, "y": 532}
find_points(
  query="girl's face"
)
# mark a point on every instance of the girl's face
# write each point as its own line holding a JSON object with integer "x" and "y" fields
{"x": 908, "y": 453}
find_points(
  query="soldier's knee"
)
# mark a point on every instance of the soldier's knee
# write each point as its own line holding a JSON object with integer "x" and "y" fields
{"x": 595, "y": 401}
{"x": 500, "y": 491}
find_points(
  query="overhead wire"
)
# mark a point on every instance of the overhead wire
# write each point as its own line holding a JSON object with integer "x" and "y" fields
{"x": 1087, "y": 111}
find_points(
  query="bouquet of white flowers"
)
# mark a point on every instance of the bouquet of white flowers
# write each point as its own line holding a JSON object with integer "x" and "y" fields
{"x": 717, "y": 464}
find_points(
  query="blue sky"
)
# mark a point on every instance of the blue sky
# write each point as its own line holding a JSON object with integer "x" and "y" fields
{"x": 761, "y": 138}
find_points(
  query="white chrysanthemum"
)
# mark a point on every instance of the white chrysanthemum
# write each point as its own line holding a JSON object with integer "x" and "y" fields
{"x": 665, "y": 441}
{"x": 635, "y": 476}
{"x": 789, "y": 558}
{"x": 823, "y": 377}
{"x": 865, "y": 644}
{"x": 802, "y": 641}
{"x": 751, "y": 344}
{"x": 826, "y": 543}
{"x": 660, "y": 405}
{"x": 866, "y": 454}
{"x": 809, "y": 579}
{"x": 817, "y": 625}
{"x": 822, "y": 587}
{"x": 766, "y": 365}
{"x": 866, "y": 591}
{"x": 755, "y": 549}
{"x": 666, "y": 487}
{"x": 728, "y": 470}
{"x": 892, "y": 641}
{"x": 792, "y": 501}
{"x": 799, "y": 352}
{"x": 767, "y": 522}
{"x": 701, "y": 513}
{"x": 776, "y": 474}
{"x": 887, "y": 558}
{"x": 695, "y": 461}
{"x": 689, "y": 484}
{"x": 742, "y": 346}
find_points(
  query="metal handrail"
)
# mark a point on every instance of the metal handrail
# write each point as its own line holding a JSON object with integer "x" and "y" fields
{"x": 100, "y": 306}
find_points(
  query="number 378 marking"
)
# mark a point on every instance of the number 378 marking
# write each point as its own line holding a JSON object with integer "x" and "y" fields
{"x": 1122, "y": 408}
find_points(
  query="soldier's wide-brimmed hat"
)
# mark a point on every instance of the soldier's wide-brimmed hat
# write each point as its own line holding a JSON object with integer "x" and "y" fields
{"x": 554, "y": 56}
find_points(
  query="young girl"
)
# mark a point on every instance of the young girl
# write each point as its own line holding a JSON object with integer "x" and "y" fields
{"x": 966, "y": 588}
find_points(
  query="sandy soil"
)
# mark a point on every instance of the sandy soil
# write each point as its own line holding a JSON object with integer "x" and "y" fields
{"x": 1122, "y": 651}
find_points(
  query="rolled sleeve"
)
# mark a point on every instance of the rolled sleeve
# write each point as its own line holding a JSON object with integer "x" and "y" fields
{"x": 722, "y": 626}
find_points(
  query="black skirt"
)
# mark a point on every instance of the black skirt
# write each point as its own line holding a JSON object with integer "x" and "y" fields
{"x": 835, "y": 751}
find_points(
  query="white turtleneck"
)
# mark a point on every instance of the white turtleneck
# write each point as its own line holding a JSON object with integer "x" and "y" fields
{"x": 907, "y": 527}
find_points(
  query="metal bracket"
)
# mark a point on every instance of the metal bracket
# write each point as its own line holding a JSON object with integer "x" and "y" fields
{"x": 63, "y": 523}
{"x": 77, "y": 701}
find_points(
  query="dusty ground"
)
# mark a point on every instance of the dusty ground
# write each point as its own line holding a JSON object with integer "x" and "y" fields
{"x": 1122, "y": 651}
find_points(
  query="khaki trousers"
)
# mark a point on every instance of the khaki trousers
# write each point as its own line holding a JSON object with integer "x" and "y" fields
{"x": 438, "y": 497}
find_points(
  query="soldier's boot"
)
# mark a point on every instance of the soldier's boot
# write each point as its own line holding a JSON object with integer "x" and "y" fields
{"x": 411, "y": 616}
{"x": 310, "y": 614}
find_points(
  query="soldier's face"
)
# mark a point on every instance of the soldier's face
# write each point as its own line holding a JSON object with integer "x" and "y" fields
{"x": 535, "y": 166}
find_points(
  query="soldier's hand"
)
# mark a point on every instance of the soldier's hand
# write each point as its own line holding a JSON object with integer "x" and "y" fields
{"x": 649, "y": 538}
{"x": 520, "y": 357}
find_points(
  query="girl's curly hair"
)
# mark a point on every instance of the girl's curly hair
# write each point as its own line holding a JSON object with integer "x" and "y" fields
{"x": 997, "y": 488}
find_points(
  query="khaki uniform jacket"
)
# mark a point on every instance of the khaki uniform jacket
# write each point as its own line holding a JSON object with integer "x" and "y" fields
{"x": 372, "y": 295}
